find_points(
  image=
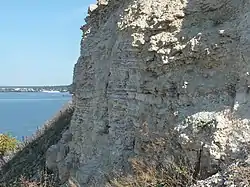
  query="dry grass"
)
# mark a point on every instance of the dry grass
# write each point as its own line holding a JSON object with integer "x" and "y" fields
{"x": 45, "y": 180}
{"x": 240, "y": 175}
{"x": 145, "y": 175}
{"x": 154, "y": 166}
{"x": 150, "y": 170}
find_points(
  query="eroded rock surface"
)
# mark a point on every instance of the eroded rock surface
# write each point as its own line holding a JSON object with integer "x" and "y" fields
{"x": 175, "y": 65}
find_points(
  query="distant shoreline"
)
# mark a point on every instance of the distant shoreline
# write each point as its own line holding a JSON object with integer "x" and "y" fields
{"x": 45, "y": 89}
{"x": 55, "y": 91}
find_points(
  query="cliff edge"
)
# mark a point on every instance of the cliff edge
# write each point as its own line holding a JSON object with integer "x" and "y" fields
{"x": 177, "y": 69}
{"x": 165, "y": 82}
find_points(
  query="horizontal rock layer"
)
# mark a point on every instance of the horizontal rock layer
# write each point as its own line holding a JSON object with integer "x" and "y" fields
{"x": 160, "y": 66}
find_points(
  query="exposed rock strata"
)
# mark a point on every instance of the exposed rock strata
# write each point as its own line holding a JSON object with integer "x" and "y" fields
{"x": 175, "y": 65}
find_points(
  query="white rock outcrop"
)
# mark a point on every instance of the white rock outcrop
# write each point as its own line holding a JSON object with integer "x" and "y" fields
{"x": 176, "y": 65}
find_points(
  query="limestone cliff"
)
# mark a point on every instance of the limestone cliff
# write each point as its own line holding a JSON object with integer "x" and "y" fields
{"x": 175, "y": 68}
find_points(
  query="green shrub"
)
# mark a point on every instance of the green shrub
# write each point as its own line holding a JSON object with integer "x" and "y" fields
{"x": 7, "y": 143}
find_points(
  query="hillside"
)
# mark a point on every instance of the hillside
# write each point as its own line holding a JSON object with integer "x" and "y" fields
{"x": 161, "y": 98}
{"x": 30, "y": 161}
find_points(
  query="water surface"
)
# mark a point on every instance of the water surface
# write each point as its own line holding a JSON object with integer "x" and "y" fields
{"x": 22, "y": 113}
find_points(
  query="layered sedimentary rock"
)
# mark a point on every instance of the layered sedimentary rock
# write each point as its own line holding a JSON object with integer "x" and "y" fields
{"x": 160, "y": 66}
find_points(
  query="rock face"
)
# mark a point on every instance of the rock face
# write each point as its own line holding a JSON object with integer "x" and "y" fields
{"x": 56, "y": 154}
{"x": 160, "y": 66}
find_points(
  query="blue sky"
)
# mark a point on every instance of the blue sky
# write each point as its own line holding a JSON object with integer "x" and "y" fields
{"x": 40, "y": 40}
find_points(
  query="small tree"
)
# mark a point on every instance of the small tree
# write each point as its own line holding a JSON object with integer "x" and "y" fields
{"x": 7, "y": 143}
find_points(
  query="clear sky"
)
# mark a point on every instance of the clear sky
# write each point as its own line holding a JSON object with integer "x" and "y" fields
{"x": 40, "y": 40}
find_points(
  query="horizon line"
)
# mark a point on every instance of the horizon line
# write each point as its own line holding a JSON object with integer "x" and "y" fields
{"x": 34, "y": 86}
